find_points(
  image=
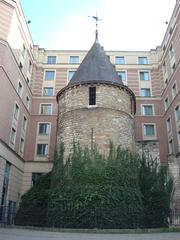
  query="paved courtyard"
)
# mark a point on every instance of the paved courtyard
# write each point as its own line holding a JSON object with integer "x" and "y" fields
{"x": 21, "y": 234}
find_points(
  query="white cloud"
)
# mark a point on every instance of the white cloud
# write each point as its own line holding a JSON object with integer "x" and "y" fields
{"x": 125, "y": 25}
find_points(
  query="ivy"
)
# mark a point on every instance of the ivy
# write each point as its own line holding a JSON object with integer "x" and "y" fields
{"x": 91, "y": 190}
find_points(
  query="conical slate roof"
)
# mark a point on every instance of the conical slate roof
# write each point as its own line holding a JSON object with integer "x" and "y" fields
{"x": 96, "y": 67}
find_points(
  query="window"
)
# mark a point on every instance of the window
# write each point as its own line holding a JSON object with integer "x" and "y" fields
{"x": 171, "y": 51}
{"x": 42, "y": 149}
{"x": 20, "y": 66}
{"x": 166, "y": 103}
{"x": 30, "y": 66}
{"x": 44, "y": 128}
{"x": 119, "y": 60}
{"x": 168, "y": 124}
{"x": 164, "y": 68}
{"x": 13, "y": 136}
{"x": 70, "y": 74}
{"x": 142, "y": 60}
{"x": 21, "y": 147}
{"x": 49, "y": 75}
{"x": 48, "y": 91}
{"x": 24, "y": 123}
{"x": 92, "y": 96}
{"x": 145, "y": 92}
{"x": 144, "y": 76}
{"x": 46, "y": 109}
{"x": 51, "y": 60}
{"x": 19, "y": 89}
{"x": 16, "y": 112}
{"x": 149, "y": 130}
{"x": 28, "y": 81}
{"x": 174, "y": 90}
{"x": 170, "y": 146}
{"x": 147, "y": 110}
{"x": 27, "y": 101}
{"x": 23, "y": 50}
{"x": 177, "y": 113}
{"x": 5, "y": 184}
{"x": 35, "y": 177}
{"x": 122, "y": 75}
{"x": 74, "y": 59}
{"x": 179, "y": 139}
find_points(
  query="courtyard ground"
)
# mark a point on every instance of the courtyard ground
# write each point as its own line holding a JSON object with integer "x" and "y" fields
{"x": 23, "y": 234}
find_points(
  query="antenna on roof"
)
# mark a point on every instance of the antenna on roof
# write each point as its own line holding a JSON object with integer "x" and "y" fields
{"x": 97, "y": 20}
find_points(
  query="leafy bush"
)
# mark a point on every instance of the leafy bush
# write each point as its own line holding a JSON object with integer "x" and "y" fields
{"x": 89, "y": 190}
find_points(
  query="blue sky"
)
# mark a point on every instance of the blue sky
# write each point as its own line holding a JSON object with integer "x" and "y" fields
{"x": 125, "y": 25}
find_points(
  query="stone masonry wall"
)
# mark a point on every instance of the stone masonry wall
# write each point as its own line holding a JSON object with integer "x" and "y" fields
{"x": 109, "y": 119}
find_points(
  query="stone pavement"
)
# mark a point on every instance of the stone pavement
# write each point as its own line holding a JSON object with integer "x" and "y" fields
{"x": 22, "y": 234}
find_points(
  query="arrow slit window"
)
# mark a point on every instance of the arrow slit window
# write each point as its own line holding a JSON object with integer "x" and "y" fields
{"x": 92, "y": 96}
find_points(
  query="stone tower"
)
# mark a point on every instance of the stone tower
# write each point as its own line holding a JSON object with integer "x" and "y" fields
{"x": 95, "y": 107}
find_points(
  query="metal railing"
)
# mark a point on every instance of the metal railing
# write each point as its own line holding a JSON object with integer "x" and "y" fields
{"x": 100, "y": 218}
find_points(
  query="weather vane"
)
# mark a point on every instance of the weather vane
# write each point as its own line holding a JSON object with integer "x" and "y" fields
{"x": 97, "y": 20}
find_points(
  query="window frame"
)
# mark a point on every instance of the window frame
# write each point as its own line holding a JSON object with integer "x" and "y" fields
{"x": 52, "y": 57}
{"x": 16, "y": 111}
{"x": 48, "y": 88}
{"x": 144, "y": 72}
{"x": 13, "y": 136}
{"x": 142, "y": 58}
{"x": 177, "y": 114}
{"x": 145, "y": 136}
{"x": 48, "y": 78}
{"x": 45, "y": 154}
{"x": 150, "y": 95}
{"x": 92, "y": 96}
{"x": 46, "y": 133}
{"x": 143, "y": 110}
{"x": 121, "y": 60}
{"x": 72, "y": 58}
{"x": 40, "y": 109}
{"x": 68, "y": 74}
{"x": 125, "y": 74}
{"x": 20, "y": 88}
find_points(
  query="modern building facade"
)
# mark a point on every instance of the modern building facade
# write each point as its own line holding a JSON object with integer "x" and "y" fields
{"x": 31, "y": 77}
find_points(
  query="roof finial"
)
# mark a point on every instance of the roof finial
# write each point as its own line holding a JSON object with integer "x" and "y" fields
{"x": 97, "y": 20}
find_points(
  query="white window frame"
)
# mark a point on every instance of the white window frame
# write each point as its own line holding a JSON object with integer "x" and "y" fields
{"x": 144, "y": 57}
{"x": 149, "y": 137}
{"x": 42, "y": 155}
{"x": 145, "y": 71}
{"x": 14, "y": 115}
{"x": 174, "y": 95}
{"x": 21, "y": 91}
{"x": 45, "y": 104}
{"x": 146, "y": 88}
{"x": 27, "y": 101}
{"x": 21, "y": 148}
{"x": 49, "y": 129}
{"x": 49, "y": 70}
{"x": 48, "y": 95}
{"x": 68, "y": 74}
{"x": 169, "y": 125}
{"x": 125, "y": 71}
{"x": 52, "y": 56}
{"x": 120, "y": 57}
{"x": 142, "y": 109}
{"x": 175, "y": 112}
{"x": 14, "y": 139}
{"x": 74, "y": 56}
{"x": 170, "y": 148}
{"x": 26, "y": 124}
{"x": 166, "y": 103}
